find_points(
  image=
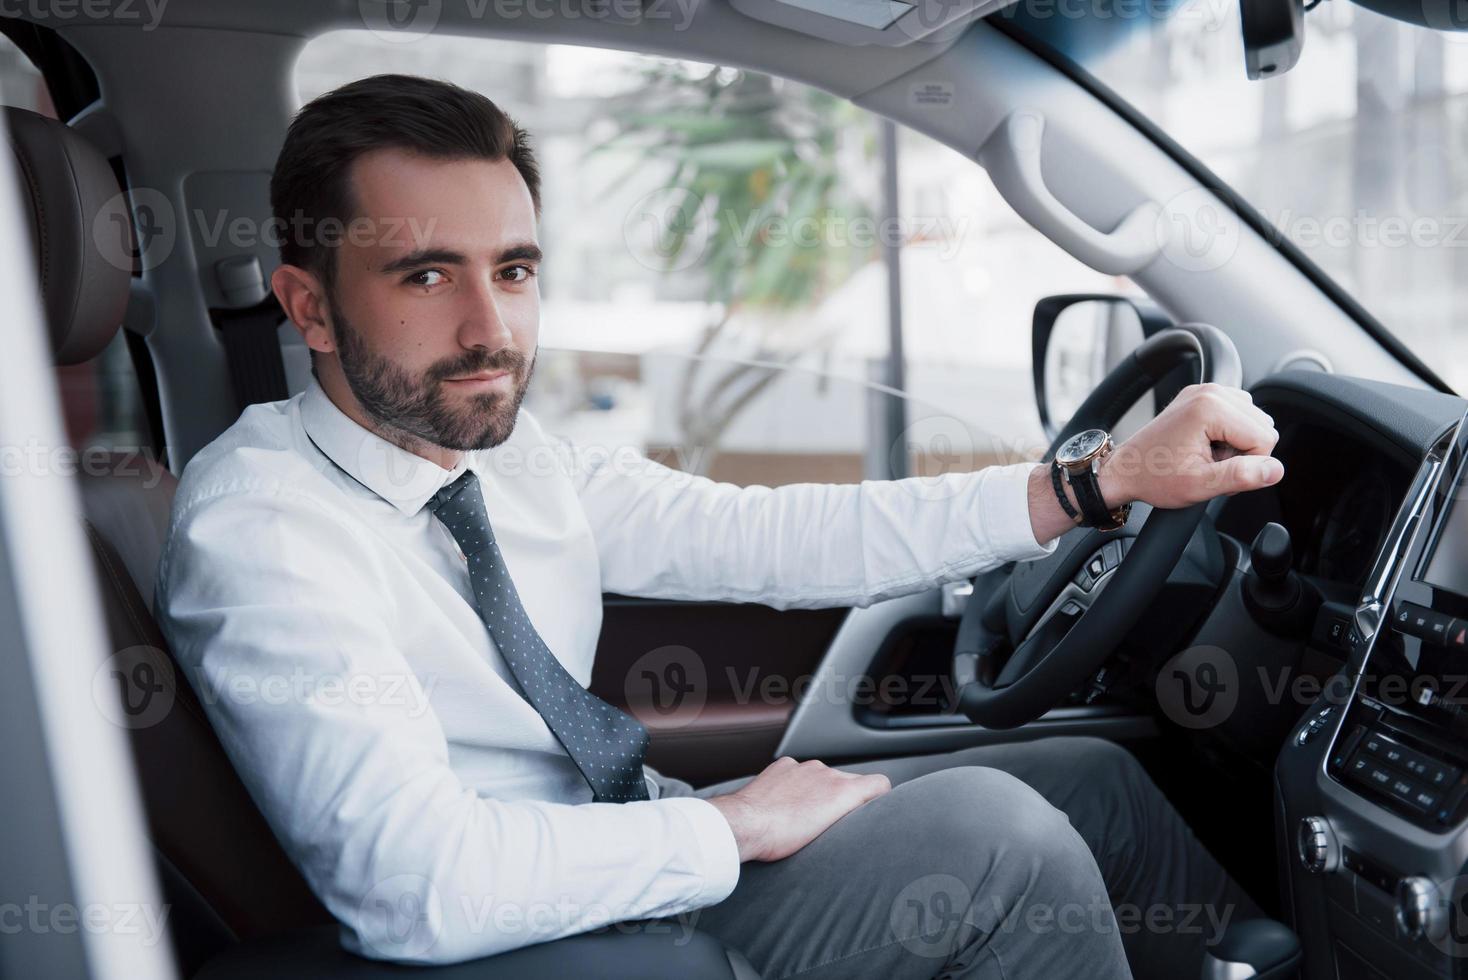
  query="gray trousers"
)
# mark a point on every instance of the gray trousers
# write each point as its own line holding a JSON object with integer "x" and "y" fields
{"x": 1046, "y": 859}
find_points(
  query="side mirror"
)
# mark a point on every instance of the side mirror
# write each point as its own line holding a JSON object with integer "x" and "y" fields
{"x": 1077, "y": 340}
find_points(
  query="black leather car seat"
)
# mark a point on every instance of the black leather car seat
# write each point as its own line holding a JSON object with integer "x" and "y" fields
{"x": 221, "y": 864}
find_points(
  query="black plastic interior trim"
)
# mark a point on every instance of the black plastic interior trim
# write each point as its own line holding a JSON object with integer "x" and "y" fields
{"x": 1333, "y": 290}
{"x": 147, "y": 377}
{"x": 1399, "y": 421}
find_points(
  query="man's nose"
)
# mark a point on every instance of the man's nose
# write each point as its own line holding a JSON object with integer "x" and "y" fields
{"x": 483, "y": 323}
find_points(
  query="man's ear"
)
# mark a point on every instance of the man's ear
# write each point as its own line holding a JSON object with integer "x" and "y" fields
{"x": 303, "y": 298}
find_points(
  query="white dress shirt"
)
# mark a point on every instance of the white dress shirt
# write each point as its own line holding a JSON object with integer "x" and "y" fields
{"x": 325, "y": 618}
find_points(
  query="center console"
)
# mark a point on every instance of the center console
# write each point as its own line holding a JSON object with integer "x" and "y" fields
{"x": 1373, "y": 784}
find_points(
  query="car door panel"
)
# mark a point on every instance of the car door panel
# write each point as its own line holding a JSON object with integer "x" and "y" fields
{"x": 725, "y": 688}
{"x": 714, "y": 682}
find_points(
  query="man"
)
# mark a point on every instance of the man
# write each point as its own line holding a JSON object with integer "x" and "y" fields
{"x": 388, "y": 590}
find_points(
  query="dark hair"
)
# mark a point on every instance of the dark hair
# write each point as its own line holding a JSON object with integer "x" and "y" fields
{"x": 311, "y": 180}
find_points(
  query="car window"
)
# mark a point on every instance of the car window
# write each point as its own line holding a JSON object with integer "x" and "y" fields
{"x": 1355, "y": 155}
{"x": 716, "y": 291}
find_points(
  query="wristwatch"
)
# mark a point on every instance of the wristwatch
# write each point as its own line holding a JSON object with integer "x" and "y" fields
{"x": 1078, "y": 461}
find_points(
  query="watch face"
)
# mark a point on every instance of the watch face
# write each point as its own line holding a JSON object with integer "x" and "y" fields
{"x": 1080, "y": 445}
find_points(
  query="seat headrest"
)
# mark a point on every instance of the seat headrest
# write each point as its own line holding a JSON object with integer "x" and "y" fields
{"x": 80, "y": 230}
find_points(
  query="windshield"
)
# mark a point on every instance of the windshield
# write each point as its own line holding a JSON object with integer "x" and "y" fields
{"x": 1356, "y": 155}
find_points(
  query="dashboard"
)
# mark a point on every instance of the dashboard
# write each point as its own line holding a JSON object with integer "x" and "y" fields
{"x": 1371, "y": 783}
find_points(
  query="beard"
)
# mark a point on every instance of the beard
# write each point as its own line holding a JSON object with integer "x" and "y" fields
{"x": 410, "y": 409}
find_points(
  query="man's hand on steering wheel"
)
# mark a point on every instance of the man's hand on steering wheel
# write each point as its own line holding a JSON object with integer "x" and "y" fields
{"x": 1045, "y": 625}
{"x": 1210, "y": 441}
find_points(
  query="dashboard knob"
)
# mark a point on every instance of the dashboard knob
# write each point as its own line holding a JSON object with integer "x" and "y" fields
{"x": 1316, "y": 841}
{"x": 1421, "y": 912}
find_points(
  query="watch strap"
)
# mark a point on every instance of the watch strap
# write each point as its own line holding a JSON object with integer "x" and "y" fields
{"x": 1056, "y": 481}
{"x": 1088, "y": 495}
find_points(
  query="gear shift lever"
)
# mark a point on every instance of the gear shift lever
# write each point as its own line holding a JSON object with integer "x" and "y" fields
{"x": 1255, "y": 949}
{"x": 1277, "y": 597}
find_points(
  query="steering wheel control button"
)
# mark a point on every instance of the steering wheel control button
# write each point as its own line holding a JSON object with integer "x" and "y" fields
{"x": 1090, "y": 571}
{"x": 1317, "y": 847}
{"x": 1426, "y": 624}
{"x": 1103, "y": 561}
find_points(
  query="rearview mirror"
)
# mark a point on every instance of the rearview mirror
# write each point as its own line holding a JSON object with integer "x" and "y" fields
{"x": 1077, "y": 340}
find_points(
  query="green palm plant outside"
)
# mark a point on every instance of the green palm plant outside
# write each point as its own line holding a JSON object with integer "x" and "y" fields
{"x": 757, "y": 193}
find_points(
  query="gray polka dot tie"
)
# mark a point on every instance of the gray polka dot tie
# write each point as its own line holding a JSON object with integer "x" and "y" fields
{"x": 606, "y": 744}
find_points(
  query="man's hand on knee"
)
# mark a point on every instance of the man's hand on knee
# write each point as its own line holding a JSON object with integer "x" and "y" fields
{"x": 792, "y": 803}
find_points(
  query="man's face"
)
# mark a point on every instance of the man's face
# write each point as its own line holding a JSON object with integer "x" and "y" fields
{"x": 436, "y": 305}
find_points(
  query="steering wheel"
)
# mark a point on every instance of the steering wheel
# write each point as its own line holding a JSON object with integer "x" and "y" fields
{"x": 1050, "y": 612}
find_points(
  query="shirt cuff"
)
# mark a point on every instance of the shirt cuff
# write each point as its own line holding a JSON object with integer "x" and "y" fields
{"x": 716, "y": 840}
{"x": 1005, "y": 496}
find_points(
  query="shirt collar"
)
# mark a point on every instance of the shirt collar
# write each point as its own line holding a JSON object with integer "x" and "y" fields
{"x": 404, "y": 479}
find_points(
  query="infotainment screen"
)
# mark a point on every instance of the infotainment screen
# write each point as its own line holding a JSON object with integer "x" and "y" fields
{"x": 1448, "y": 567}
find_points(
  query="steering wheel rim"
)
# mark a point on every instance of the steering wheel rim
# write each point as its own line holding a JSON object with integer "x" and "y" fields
{"x": 1138, "y": 560}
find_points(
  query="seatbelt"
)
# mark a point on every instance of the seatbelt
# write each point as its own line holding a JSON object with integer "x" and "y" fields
{"x": 252, "y": 350}
{"x": 247, "y": 318}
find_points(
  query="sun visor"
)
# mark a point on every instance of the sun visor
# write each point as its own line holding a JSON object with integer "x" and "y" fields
{"x": 890, "y": 23}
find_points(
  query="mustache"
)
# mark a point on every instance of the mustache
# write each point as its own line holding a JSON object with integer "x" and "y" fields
{"x": 504, "y": 359}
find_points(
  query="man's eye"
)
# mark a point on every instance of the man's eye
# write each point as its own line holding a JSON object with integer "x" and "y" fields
{"x": 518, "y": 273}
{"x": 428, "y": 277}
